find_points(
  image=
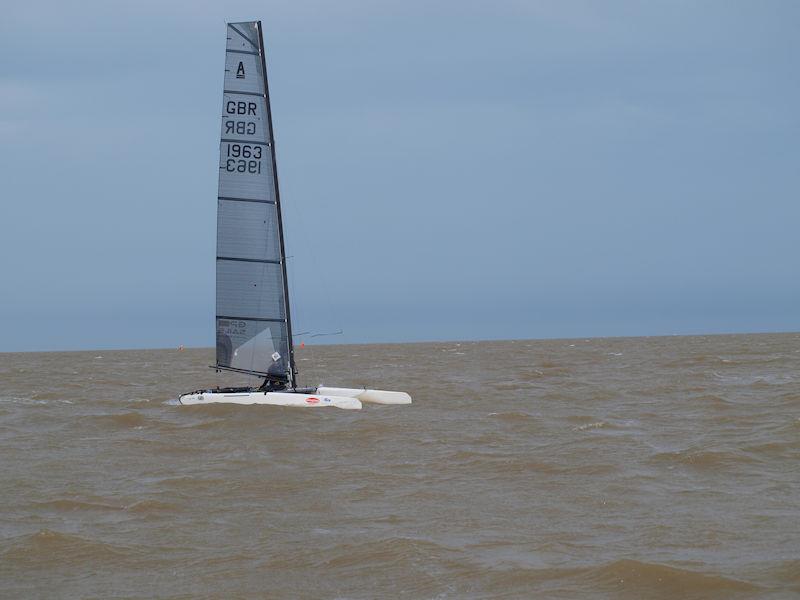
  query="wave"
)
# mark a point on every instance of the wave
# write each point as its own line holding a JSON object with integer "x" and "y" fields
{"x": 494, "y": 464}
{"x": 700, "y": 360}
{"x": 73, "y": 505}
{"x": 70, "y": 505}
{"x": 652, "y": 580}
{"x": 22, "y": 400}
{"x": 587, "y": 426}
{"x": 384, "y": 551}
{"x": 549, "y": 368}
{"x": 787, "y": 573}
{"x": 513, "y": 416}
{"x": 222, "y": 409}
{"x": 504, "y": 577}
{"x": 756, "y": 380}
{"x": 192, "y": 484}
{"x": 511, "y": 386}
{"x": 712, "y": 400}
{"x": 138, "y": 420}
{"x": 776, "y": 449}
{"x": 53, "y": 548}
{"x": 623, "y": 579}
{"x": 150, "y": 506}
{"x": 588, "y": 423}
{"x": 120, "y": 420}
{"x": 527, "y": 374}
{"x": 136, "y": 401}
{"x": 702, "y": 459}
{"x": 408, "y": 567}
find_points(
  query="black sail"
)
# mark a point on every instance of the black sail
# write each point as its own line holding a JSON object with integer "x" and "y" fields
{"x": 253, "y": 322}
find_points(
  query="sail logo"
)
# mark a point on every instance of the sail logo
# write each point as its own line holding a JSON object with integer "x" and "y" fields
{"x": 240, "y": 71}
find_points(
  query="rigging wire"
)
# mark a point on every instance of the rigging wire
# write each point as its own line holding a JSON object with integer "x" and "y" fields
{"x": 312, "y": 264}
{"x": 313, "y": 335}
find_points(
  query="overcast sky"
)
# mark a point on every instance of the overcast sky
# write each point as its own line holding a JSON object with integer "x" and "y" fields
{"x": 449, "y": 170}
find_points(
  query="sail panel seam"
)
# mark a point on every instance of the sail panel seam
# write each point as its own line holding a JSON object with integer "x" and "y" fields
{"x": 245, "y": 200}
{"x": 233, "y": 141}
{"x": 251, "y": 319}
{"x": 254, "y": 45}
{"x": 252, "y": 260}
{"x": 243, "y": 93}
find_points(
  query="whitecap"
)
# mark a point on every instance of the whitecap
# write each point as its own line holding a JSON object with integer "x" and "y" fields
{"x": 588, "y": 426}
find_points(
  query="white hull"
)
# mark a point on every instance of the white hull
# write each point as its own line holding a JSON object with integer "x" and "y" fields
{"x": 365, "y": 395}
{"x": 346, "y": 398}
{"x": 272, "y": 398}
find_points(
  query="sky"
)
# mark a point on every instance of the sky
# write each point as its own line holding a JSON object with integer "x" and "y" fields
{"x": 449, "y": 170}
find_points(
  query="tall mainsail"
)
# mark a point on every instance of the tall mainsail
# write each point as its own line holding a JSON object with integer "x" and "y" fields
{"x": 254, "y": 332}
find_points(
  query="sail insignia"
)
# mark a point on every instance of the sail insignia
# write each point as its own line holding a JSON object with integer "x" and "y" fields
{"x": 253, "y": 324}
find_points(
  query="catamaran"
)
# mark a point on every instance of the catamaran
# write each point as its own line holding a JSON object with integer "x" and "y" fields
{"x": 253, "y": 321}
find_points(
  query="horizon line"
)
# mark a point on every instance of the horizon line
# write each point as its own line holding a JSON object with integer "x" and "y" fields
{"x": 443, "y": 341}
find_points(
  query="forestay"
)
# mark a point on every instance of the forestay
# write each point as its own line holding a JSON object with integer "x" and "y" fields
{"x": 253, "y": 321}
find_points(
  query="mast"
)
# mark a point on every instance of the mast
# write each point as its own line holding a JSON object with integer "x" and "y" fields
{"x": 292, "y": 368}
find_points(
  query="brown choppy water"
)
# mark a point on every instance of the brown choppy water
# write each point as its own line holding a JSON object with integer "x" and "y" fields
{"x": 603, "y": 468}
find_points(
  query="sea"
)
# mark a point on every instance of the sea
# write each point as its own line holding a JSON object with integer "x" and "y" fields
{"x": 632, "y": 468}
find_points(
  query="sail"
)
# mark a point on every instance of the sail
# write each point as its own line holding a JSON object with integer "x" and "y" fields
{"x": 253, "y": 323}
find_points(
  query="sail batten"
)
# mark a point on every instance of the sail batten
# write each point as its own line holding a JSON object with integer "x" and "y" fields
{"x": 245, "y": 199}
{"x": 253, "y": 323}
